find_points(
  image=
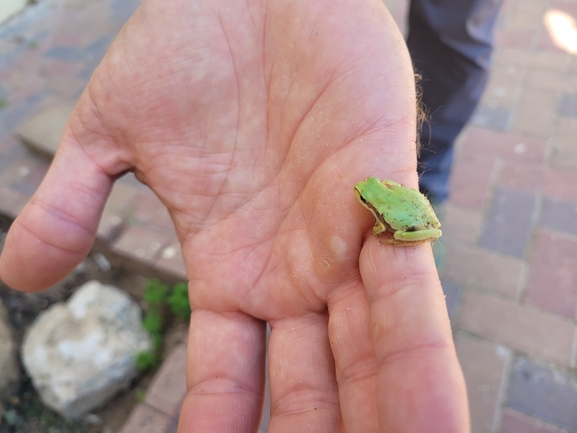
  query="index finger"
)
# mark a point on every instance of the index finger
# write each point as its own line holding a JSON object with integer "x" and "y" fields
{"x": 420, "y": 386}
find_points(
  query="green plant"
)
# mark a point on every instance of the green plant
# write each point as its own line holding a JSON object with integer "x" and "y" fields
{"x": 157, "y": 296}
{"x": 153, "y": 322}
{"x": 147, "y": 359}
{"x": 157, "y": 340}
{"x": 178, "y": 301}
{"x": 155, "y": 292}
{"x": 12, "y": 418}
{"x": 3, "y": 103}
{"x": 140, "y": 395}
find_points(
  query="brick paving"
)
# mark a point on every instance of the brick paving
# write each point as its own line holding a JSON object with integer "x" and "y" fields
{"x": 510, "y": 226}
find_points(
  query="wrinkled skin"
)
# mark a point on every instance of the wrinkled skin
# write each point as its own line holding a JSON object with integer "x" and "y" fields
{"x": 252, "y": 121}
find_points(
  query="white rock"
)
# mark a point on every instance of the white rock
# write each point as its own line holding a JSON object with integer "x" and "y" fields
{"x": 9, "y": 369}
{"x": 81, "y": 353}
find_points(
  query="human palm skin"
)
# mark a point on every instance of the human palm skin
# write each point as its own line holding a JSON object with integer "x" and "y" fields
{"x": 252, "y": 122}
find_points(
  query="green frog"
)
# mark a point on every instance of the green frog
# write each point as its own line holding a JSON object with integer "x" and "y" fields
{"x": 402, "y": 214}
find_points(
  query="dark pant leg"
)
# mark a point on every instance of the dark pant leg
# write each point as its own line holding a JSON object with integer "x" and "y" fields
{"x": 450, "y": 42}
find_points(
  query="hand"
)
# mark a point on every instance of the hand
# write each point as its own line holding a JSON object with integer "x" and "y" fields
{"x": 252, "y": 121}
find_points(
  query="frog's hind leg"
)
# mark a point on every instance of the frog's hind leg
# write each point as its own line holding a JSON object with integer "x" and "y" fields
{"x": 418, "y": 236}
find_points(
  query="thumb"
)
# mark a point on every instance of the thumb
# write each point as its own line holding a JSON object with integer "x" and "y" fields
{"x": 57, "y": 228}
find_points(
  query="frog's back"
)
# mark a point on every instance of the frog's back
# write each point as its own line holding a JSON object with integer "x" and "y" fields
{"x": 407, "y": 208}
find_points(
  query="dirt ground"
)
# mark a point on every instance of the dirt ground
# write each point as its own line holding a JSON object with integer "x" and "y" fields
{"x": 24, "y": 412}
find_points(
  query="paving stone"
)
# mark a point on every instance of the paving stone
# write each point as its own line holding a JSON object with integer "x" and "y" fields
{"x": 535, "y": 112}
{"x": 568, "y": 105}
{"x": 9, "y": 151}
{"x": 12, "y": 202}
{"x": 88, "y": 69}
{"x": 24, "y": 174}
{"x": 266, "y": 413}
{"x": 168, "y": 388}
{"x": 172, "y": 262}
{"x": 527, "y": 17}
{"x": 484, "y": 365}
{"x": 515, "y": 147}
{"x": 536, "y": 60}
{"x": 485, "y": 269}
{"x": 65, "y": 87}
{"x": 460, "y": 223}
{"x": 521, "y": 177}
{"x": 140, "y": 245}
{"x": 545, "y": 42}
{"x": 572, "y": 68}
{"x": 110, "y": 227}
{"x": 399, "y": 9}
{"x": 517, "y": 422}
{"x": 4, "y": 93}
{"x": 453, "y": 292}
{"x": 24, "y": 84}
{"x": 496, "y": 118}
{"x": 148, "y": 209}
{"x": 121, "y": 10}
{"x": 470, "y": 180}
{"x": 508, "y": 224}
{"x": 564, "y": 151}
{"x": 131, "y": 180}
{"x": 64, "y": 37}
{"x": 519, "y": 39}
{"x": 100, "y": 45}
{"x": 120, "y": 200}
{"x": 560, "y": 185}
{"x": 18, "y": 112}
{"x": 540, "y": 334}
{"x": 66, "y": 53}
{"x": 543, "y": 392}
{"x": 103, "y": 25}
{"x": 552, "y": 80}
{"x": 67, "y": 69}
{"x": 43, "y": 131}
{"x": 173, "y": 426}
{"x": 552, "y": 281}
{"x": 503, "y": 85}
{"x": 559, "y": 216}
{"x": 146, "y": 419}
{"x": 117, "y": 212}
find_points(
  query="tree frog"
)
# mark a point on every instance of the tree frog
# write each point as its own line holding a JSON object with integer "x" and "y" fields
{"x": 403, "y": 214}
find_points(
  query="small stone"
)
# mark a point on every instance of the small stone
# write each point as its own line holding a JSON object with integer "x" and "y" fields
{"x": 92, "y": 418}
{"x": 11, "y": 8}
{"x": 168, "y": 253}
{"x": 9, "y": 370}
{"x": 102, "y": 262}
{"x": 81, "y": 353}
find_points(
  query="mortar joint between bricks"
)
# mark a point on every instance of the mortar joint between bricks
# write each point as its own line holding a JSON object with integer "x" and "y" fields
{"x": 573, "y": 348}
{"x": 501, "y": 398}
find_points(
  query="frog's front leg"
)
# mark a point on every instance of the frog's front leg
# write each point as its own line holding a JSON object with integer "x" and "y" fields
{"x": 379, "y": 227}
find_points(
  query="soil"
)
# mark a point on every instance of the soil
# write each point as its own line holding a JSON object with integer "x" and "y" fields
{"x": 24, "y": 411}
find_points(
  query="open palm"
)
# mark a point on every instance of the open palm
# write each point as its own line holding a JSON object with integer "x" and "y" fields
{"x": 252, "y": 121}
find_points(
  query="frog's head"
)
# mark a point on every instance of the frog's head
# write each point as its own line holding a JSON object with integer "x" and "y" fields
{"x": 363, "y": 189}
{"x": 364, "y": 192}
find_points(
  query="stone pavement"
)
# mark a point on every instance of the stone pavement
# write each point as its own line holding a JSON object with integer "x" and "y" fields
{"x": 510, "y": 226}
{"x": 510, "y": 229}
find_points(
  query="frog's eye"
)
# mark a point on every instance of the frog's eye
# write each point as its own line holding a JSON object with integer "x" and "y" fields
{"x": 411, "y": 229}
